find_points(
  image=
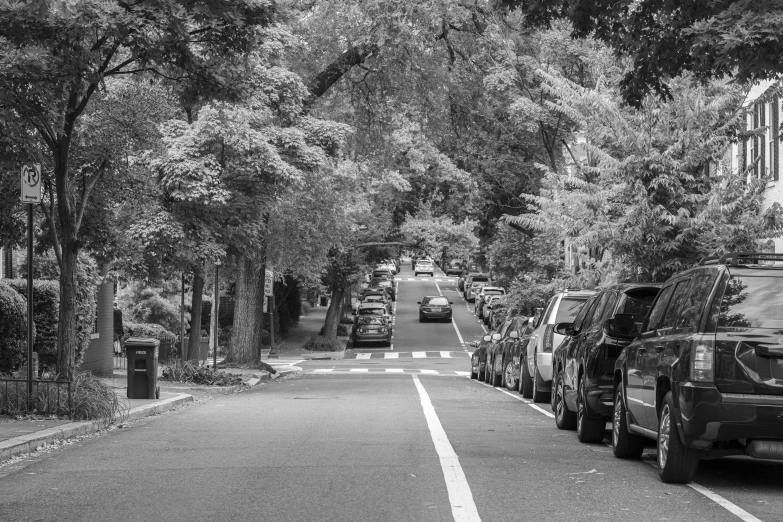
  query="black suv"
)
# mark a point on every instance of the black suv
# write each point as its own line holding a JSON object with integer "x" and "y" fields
{"x": 704, "y": 375}
{"x": 583, "y": 384}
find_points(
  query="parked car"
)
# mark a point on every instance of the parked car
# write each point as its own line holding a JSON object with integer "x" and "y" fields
{"x": 480, "y": 299}
{"x": 583, "y": 364}
{"x": 375, "y": 298}
{"x": 386, "y": 282}
{"x": 536, "y": 378}
{"x": 454, "y": 267}
{"x": 703, "y": 375}
{"x": 473, "y": 276}
{"x": 499, "y": 354}
{"x": 435, "y": 307}
{"x": 473, "y": 290}
{"x": 461, "y": 279}
{"x": 478, "y": 359}
{"x": 424, "y": 266}
{"x": 486, "y": 313}
{"x": 387, "y": 265}
{"x": 497, "y": 314}
{"x": 372, "y": 329}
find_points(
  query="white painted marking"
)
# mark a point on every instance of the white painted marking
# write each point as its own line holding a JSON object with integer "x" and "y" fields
{"x": 459, "y": 335}
{"x": 462, "y": 373}
{"x": 725, "y": 504}
{"x": 323, "y": 370}
{"x": 419, "y": 355}
{"x": 463, "y": 509}
{"x": 484, "y": 328}
{"x": 358, "y": 369}
{"x": 438, "y": 287}
{"x": 429, "y": 372}
{"x": 391, "y": 355}
{"x": 445, "y": 355}
{"x": 395, "y": 370}
{"x": 363, "y": 355}
{"x": 411, "y": 279}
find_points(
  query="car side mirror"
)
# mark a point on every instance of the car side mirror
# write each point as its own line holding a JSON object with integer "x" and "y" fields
{"x": 514, "y": 335}
{"x": 451, "y": 302}
{"x": 564, "y": 328}
{"x": 621, "y": 325}
{"x": 487, "y": 338}
{"x": 496, "y": 337}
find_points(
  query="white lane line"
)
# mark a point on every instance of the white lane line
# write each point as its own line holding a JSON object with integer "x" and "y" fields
{"x": 358, "y": 370}
{"x": 460, "y": 497}
{"x": 438, "y": 287}
{"x": 529, "y": 403}
{"x": 461, "y": 373}
{"x": 459, "y": 335}
{"x": 319, "y": 370}
{"x": 363, "y": 355}
{"x": 395, "y": 370}
{"x": 429, "y": 372}
{"x": 725, "y": 504}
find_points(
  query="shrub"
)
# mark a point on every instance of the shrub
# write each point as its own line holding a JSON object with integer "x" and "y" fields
{"x": 320, "y": 344}
{"x": 151, "y": 307}
{"x": 46, "y": 309}
{"x": 13, "y": 328}
{"x": 185, "y": 371}
{"x": 92, "y": 399}
{"x": 306, "y": 308}
{"x": 342, "y": 330}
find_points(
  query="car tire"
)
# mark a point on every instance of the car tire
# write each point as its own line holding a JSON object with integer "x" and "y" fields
{"x": 474, "y": 375}
{"x": 527, "y": 382}
{"x": 510, "y": 380}
{"x": 421, "y": 318}
{"x": 538, "y": 396}
{"x": 588, "y": 429}
{"x": 625, "y": 445}
{"x": 677, "y": 463}
{"x": 497, "y": 380}
{"x": 564, "y": 419}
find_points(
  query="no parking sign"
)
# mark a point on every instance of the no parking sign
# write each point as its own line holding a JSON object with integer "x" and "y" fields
{"x": 31, "y": 184}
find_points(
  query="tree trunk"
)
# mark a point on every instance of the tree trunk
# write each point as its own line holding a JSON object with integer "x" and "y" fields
{"x": 248, "y": 309}
{"x": 333, "y": 314}
{"x": 67, "y": 324}
{"x": 195, "y": 314}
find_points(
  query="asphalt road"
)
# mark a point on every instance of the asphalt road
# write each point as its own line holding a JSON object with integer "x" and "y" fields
{"x": 388, "y": 434}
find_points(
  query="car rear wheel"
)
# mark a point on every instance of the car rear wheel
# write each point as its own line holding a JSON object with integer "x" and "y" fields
{"x": 564, "y": 419}
{"x": 677, "y": 463}
{"x": 474, "y": 368}
{"x": 625, "y": 445}
{"x": 527, "y": 382}
{"x": 588, "y": 429}
{"x": 538, "y": 396}
{"x": 509, "y": 379}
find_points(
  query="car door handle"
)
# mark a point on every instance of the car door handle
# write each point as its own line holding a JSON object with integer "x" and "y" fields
{"x": 658, "y": 349}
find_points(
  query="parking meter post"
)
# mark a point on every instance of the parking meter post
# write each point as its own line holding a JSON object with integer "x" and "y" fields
{"x": 29, "y": 307}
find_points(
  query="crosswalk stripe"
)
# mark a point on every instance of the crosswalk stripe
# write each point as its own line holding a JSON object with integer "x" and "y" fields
{"x": 429, "y": 371}
{"x": 445, "y": 355}
{"x": 391, "y": 355}
{"x": 395, "y": 370}
{"x": 358, "y": 369}
{"x": 419, "y": 355}
{"x": 381, "y": 371}
{"x": 363, "y": 355}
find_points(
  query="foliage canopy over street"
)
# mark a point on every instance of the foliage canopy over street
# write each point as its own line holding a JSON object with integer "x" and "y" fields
{"x": 317, "y": 138}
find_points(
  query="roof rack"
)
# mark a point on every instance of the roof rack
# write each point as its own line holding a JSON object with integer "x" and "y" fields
{"x": 738, "y": 258}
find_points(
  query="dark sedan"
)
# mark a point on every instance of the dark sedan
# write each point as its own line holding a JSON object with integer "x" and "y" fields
{"x": 372, "y": 329}
{"x": 434, "y": 307}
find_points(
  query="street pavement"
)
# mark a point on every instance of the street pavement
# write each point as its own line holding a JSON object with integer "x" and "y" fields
{"x": 394, "y": 433}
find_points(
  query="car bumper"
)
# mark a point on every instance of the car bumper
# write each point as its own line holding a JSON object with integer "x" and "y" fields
{"x": 371, "y": 338}
{"x": 706, "y": 415}
{"x": 436, "y": 315}
{"x": 544, "y": 365}
{"x": 430, "y": 272}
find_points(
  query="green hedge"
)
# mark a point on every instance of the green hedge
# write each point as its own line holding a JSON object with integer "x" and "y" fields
{"x": 46, "y": 308}
{"x": 13, "y": 328}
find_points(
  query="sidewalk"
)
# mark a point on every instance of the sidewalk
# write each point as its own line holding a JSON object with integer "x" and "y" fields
{"x": 292, "y": 347}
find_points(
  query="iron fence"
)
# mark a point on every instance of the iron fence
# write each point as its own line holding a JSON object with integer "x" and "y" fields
{"x": 48, "y": 397}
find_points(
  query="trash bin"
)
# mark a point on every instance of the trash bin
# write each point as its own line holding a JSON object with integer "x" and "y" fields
{"x": 142, "y": 354}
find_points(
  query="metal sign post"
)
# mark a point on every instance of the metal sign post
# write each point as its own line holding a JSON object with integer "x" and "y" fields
{"x": 216, "y": 317}
{"x": 31, "y": 195}
{"x": 269, "y": 282}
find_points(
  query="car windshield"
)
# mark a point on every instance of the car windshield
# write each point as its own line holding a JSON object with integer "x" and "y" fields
{"x": 752, "y": 302}
{"x": 435, "y": 301}
{"x": 371, "y": 319}
{"x": 493, "y": 292}
{"x": 373, "y": 299}
{"x": 568, "y": 309}
{"x": 371, "y": 311}
{"x": 424, "y": 263}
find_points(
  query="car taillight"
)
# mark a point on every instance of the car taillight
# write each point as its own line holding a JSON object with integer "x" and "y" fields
{"x": 549, "y": 332}
{"x": 703, "y": 359}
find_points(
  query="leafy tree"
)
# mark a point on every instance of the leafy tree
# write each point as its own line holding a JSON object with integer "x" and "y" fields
{"x": 440, "y": 237}
{"x": 739, "y": 39}
{"x": 58, "y": 55}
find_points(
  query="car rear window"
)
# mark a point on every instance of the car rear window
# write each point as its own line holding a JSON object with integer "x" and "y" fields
{"x": 436, "y": 301}
{"x": 371, "y": 319}
{"x": 371, "y": 311}
{"x": 480, "y": 279}
{"x": 752, "y": 302}
{"x": 568, "y": 309}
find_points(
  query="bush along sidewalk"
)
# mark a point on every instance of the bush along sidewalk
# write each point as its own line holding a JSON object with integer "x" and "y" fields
{"x": 321, "y": 344}
{"x": 187, "y": 372}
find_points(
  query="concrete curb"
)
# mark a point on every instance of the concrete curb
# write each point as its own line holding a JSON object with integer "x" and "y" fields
{"x": 284, "y": 372}
{"x": 28, "y": 443}
{"x": 324, "y": 355}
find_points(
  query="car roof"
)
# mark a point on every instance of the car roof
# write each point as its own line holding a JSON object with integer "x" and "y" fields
{"x": 487, "y": 287}
{"x": 578, "y": 293}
